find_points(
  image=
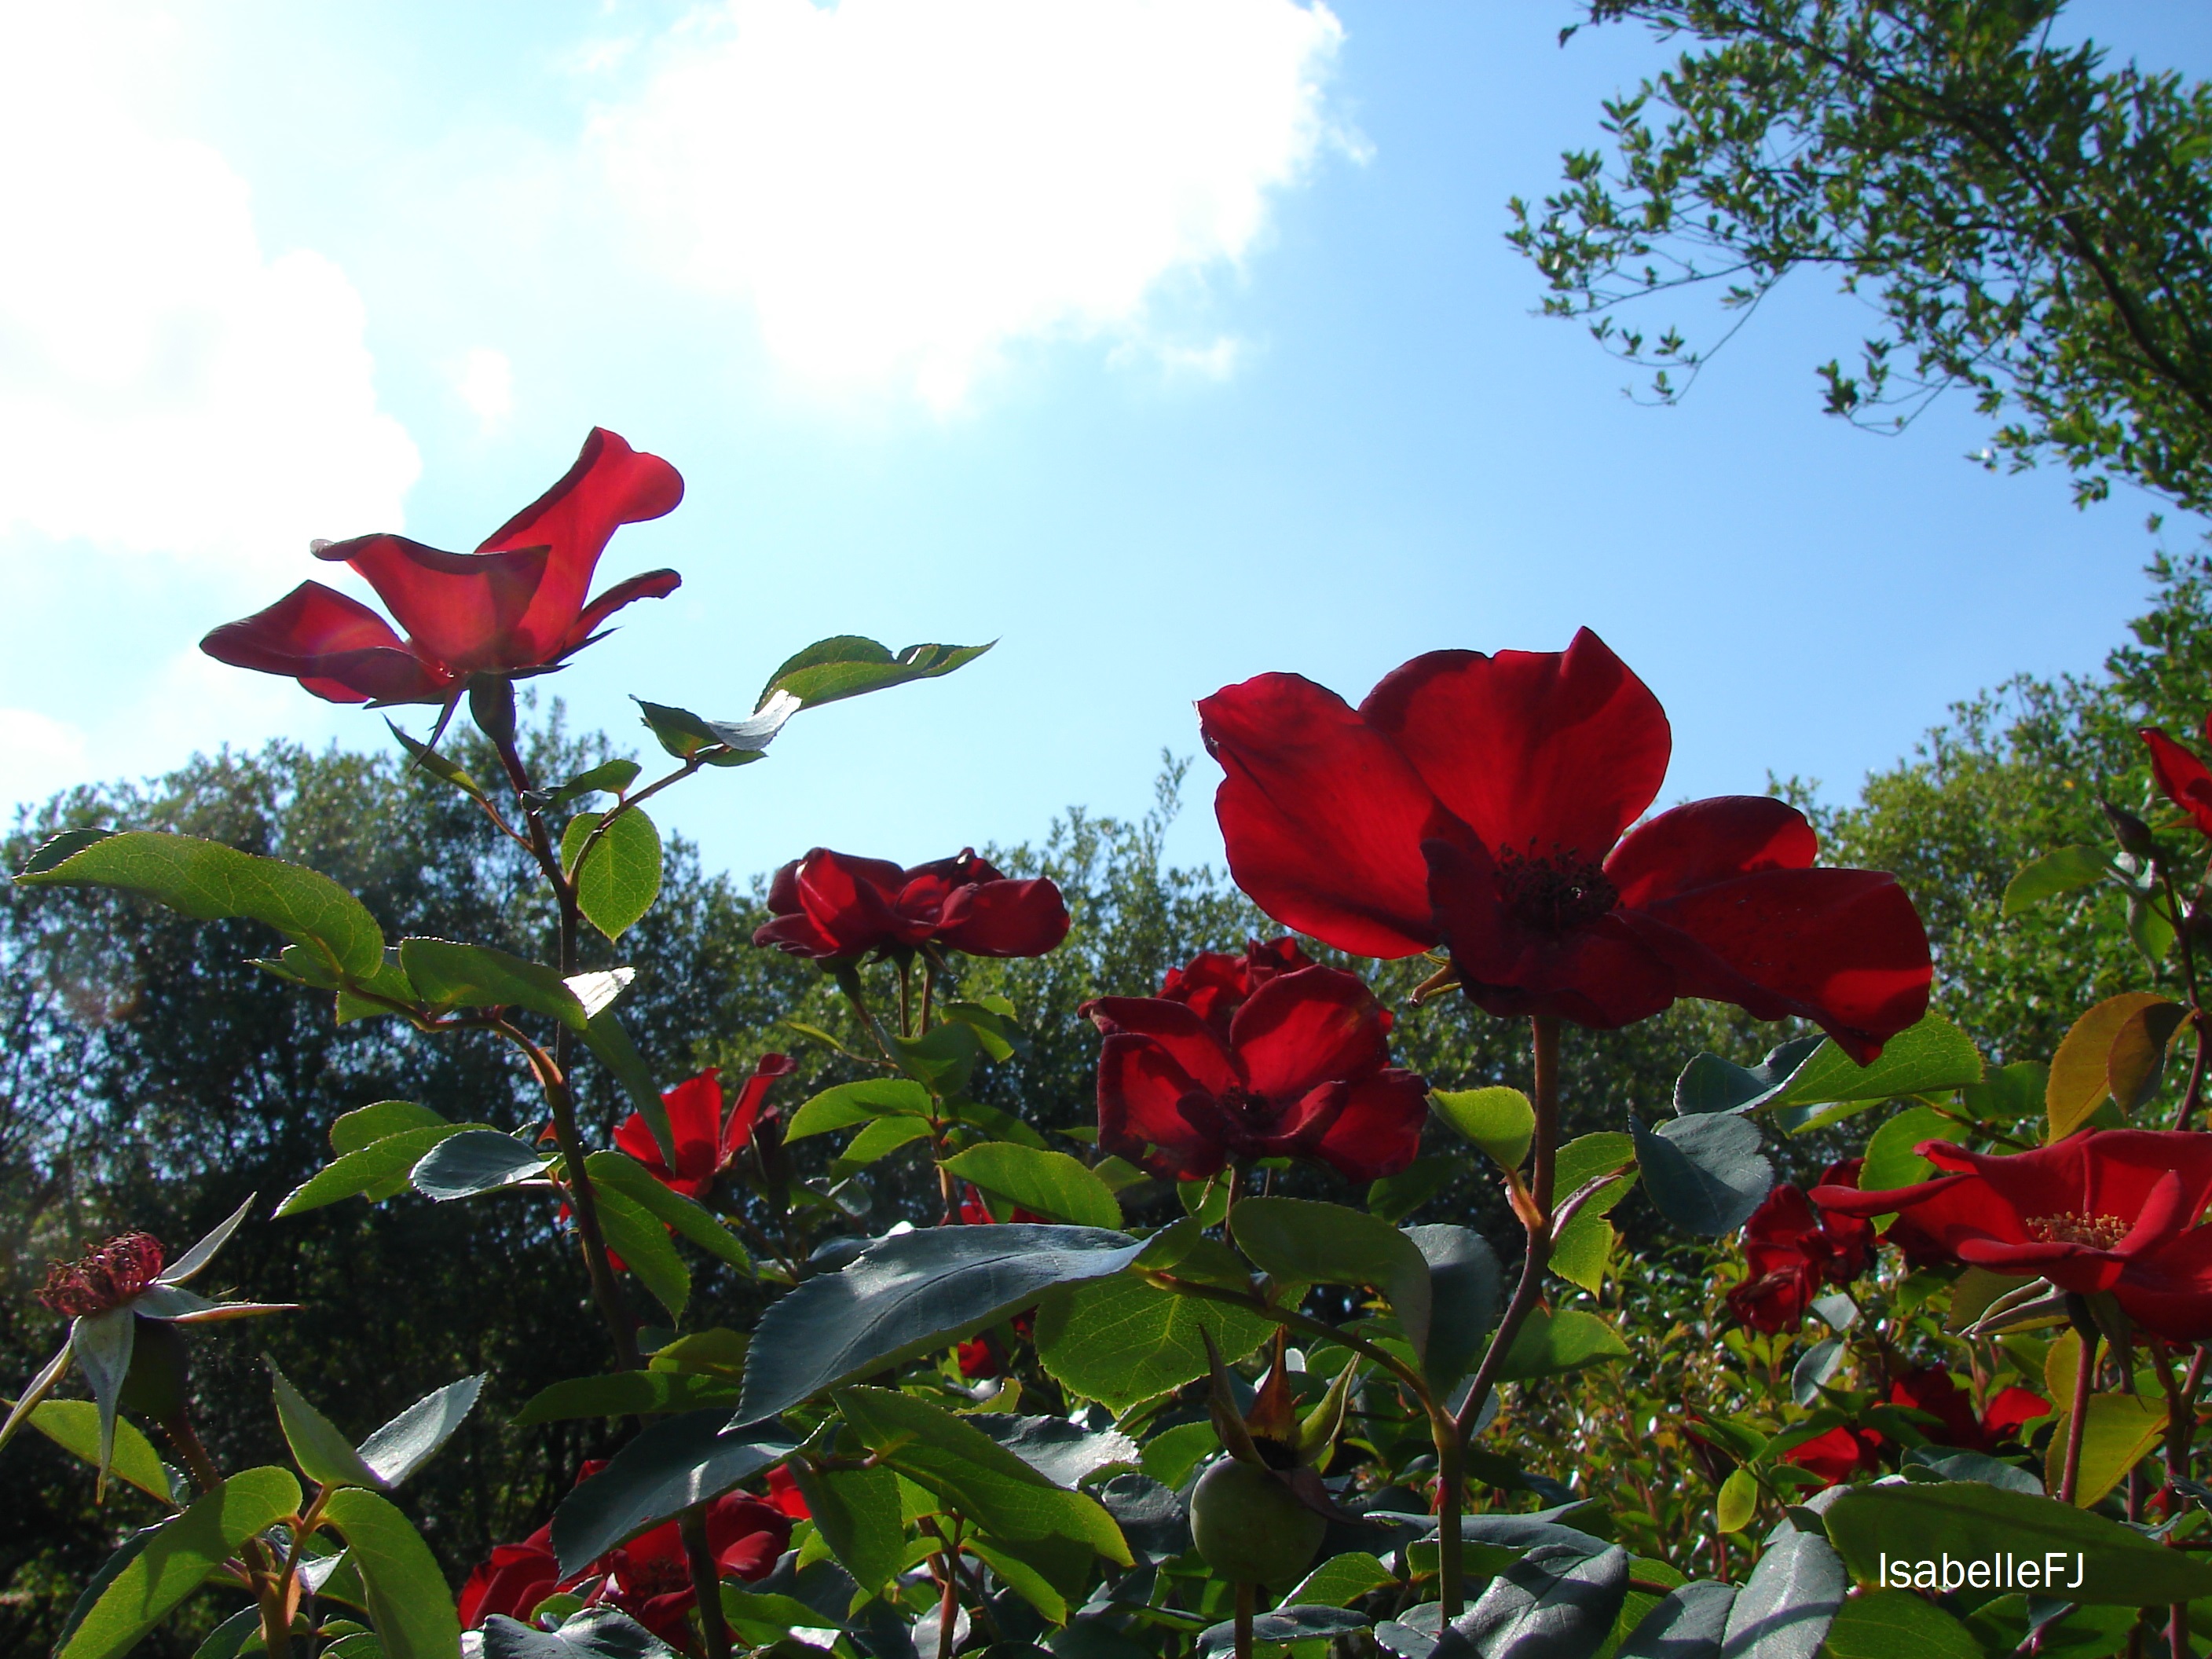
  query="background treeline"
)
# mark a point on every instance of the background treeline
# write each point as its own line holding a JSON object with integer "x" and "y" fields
{"x": 151, "y": 1078}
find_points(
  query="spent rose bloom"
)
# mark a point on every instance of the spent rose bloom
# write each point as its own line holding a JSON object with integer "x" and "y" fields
{"x": 707, "y": 1141}
{"x": 514, "y": 606}
{"x": 1301, "y": 1069}
{"x": 833, "y": 907}
{"x": 1484, "y": 802}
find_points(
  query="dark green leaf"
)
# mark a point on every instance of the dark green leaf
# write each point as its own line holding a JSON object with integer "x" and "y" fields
{"x": 1286, "y": 1624}
{"x": 1710, "y": 1084}
{"x": 848, "y": 666}
{"x": 848, "y": 1103}
{"x": 857, "y": 1513}
{"x": 909, "y": 1296}
{"x": 675, "y": 1463}
{"x": 1565, "y": 1340}
{"x": 1705, "y": 1173}
{"x": 1467, "y": 1286}
{"x": 1122, "y": 1341}
{"x": 1050, "y": 1184}
{"x": 408, "y": 1601}
{"x": 478, "y": 976}
{"x": 620, "y": 875}
{"x": 1586, "y": 1157}
{"x": 599, "y": 1632}
{"x": 475, "y": 1161}
{"x": 373, "y": 1167}
{"x": 626, "y": 1393}
{"x": 206, "y": 879}
{"x": 177, "y": 1558}
{"x": 1784, "y": 1608}
{"x": 1340, "y": 1580}
{"x": 1688, "y": 1623}
{"x": 1553, "y": 1603}
{"x": 412, "y": 1438}
{"x": 102, "y": 1344}
{"x": 1316, "y": 1243}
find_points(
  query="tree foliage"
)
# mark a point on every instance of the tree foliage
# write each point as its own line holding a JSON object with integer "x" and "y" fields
{"x": 2027, "y": 220}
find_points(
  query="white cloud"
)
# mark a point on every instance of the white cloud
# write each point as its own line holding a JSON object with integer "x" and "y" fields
{"x": 38, "y": 754}
{"x": 486, "y": 385}
{"x": 164, "y": 386}
{"x": 900, "y": 189}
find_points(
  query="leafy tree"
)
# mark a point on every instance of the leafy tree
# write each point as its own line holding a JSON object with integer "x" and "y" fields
{"x": 2027, "y": 221}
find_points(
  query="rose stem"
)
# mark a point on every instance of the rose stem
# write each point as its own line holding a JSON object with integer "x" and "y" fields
{"x": 706, "y": 1580}
{"x": 1247, "y": 1598}
{"x": 2084, "y": 1378}
{"x": 1544, "y": 1091}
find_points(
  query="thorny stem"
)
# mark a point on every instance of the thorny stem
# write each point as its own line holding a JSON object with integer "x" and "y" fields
{"x": 1247, "y": 1600}
{"x": 2192, "y": 1097}
{"x": 2180, "y": 1423}
{"x": 706, "y": 1581}
{"x": 2085, "y": 1378}
{"x": 186, "y": 1440}
{"x": 1544, "y": 1097}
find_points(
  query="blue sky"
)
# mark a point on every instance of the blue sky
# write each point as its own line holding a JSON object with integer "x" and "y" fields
{"x": 1165, "y": 344}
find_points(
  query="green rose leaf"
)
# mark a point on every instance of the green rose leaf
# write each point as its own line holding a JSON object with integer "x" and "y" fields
{"x": 848, "y": 666}
{"x": 408, "y": 1601}
{"x": 910, "y": 1295}
{"x": 620, "y": 875}
{"x": 1316, "y": 1243}
{"x": 1705, "y": 1173}
{"x": 173, "y": 1559}
{"x": 1784, "y": 1607}
{"x": 1552, "y": 1344}
{"x": 372, "y": 1168}
{"x": 475, "y": 1161}
{"x": 477, "y": 976}
{"x": 848, "y": 1103}
{"x": 207, "y": 880}
{"x": 1121, "y": 1340}
{"x": 857, "y": 1513}
{"x": 626, "y": 1393}
{"x": 1051, "y": 1184}
{"x": 325, "y": 1456}
{"x": 1925, "y": 1059}
{"x": 1499, "y": 1121}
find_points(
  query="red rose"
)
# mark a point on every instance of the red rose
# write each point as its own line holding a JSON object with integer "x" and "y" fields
{"x": 707, "y": 1142}
{"x": 1216, "y": 984}
{"x": 649, "y": 1578}
{"x": 1791, "y": 1248}
{"x": 2092, "y": 1212}
{"x": 832, "y": 906}
{"x": 1932, "y": 1389}
{"x": 516, "y": 1580}
{"x": 1479, "y": 802}
{"x": 514, "y": 606}
{"x": 2182, "y": 775}
{"x": 1301, "y": 1070}
{"x": 1837, "y": 1455}
{"x": 783, "y": 1493}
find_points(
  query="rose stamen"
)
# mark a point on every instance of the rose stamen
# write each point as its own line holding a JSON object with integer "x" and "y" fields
{"x": 1554, "y": 893}
{"x": 2099, "y": 1232}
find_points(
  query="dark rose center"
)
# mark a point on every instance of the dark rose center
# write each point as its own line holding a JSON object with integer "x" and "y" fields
{"x": 1553, "y": 894}
{"x": 116, "y": 1272}
{"x": 2099, "y": 1232}
{"x": 1254, "y": 1113}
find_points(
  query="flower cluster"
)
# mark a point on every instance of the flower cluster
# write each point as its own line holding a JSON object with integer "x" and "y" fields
{"x": 832, "y": 907}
